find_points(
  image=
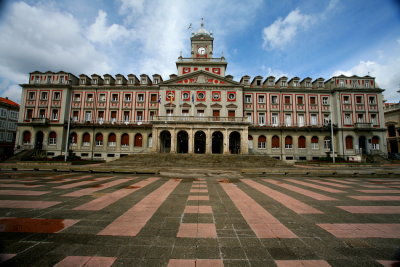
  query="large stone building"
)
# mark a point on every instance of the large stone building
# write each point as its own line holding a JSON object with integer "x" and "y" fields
{"x": 392, "y": 121}
{"x": 8, "y": 126}
{"x": 201, "y": 109}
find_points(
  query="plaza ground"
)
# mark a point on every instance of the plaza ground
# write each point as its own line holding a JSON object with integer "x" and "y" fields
{"x": 196, "y": 218}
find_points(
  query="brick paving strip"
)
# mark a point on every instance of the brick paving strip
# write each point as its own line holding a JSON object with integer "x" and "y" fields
{"x": 329, "y": 183}
{"x": 299, "y": 190}
{"x": 362, "y": 230}
{"x": 388, "y": 263}
{"x": 86, "y": 261}
{"x": 388, "y": 191}
{"x": 33, "y": 225}
{"x": 371, "y": 209}
{"x": 133, "y": 220}
{"x": 195, "y": 263}
{"x": 302, "y": 263}
{"x": 289, "y": 202}
{"x": 5, "y": 257}
{"x": 88, "y": 191}
{"x": 68, "y": 186}
{"x": 23, "y": 192}
{"x": 20, "y": 185}
{"x": 377, "y": 198}
{"x": 60, "y": 181}
{"x": 18, "y": 181}
{"x": 27, "y": 204}
{"x": 381, "y": 186}
{"x": 323, "y": 188}
{"x": 108, "y": 199}
{"x": 341, "y": 181}
{"x": 263, "y": 224}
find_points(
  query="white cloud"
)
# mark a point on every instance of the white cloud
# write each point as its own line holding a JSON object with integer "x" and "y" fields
{"x": 273, "y": 72}
{"x": 387, "y": 75}
{"x": 282, "y": 31}
{"x": 135, "y": 6}
{"x": 100, "y": 32}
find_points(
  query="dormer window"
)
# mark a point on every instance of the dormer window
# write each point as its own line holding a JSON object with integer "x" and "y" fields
{"x": 271, "y": 83}
{"x": 308, "y": 84}
{"x": 367, "y": 85}
{"x": 320, "y": 84}
{"x": 156, "y": 81}
{"x": 283, "y": 83}
{"x": 48, "y": 79}
{"x": 258, "y": 82}
{"x": 107, "y": 81}
{"x": 94, "y": 81}
{"x": 354, "y": 84}
{"x": 61, "y": 79}
{"x": 119, "y": 81}
{"x": 295, "y": 83}
{"x": 82, "y": 81}
{"x": 143, "y": 80}
{"x": 37, "y": 79}
{"x": 131, "y": 81}
{"x": 341, "y": 83}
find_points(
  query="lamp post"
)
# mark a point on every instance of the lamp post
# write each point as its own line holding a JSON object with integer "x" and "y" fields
{"x": 332, "y": 144}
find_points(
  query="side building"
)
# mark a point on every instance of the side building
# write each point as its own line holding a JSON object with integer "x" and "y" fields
{"x": 201, "y": 109}
{"x": 8, "y": 126}
{"x": 392, "y": 122}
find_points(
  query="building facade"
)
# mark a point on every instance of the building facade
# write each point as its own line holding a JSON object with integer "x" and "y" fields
{"x": 392, "y": 122}
{"x": 201, "y": 109}
{"x": 8, "y": 126}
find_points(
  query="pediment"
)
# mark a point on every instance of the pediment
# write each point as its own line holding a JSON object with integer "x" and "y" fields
{"x": 186, "y": 105}
{"x": 201, "y": 105}
{"x": 170, "y": 105}
{"x": 231, "y": 106}
{"x": 216, "y": 105}
{"x": 200, "y": 78}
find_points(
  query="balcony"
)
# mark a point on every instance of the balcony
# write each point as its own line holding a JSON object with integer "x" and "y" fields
{"x": 201, "y": 59}
{"x": 363, "y": 126}
{"x": 39, "y": 121}
{"x": 200, "y": 119}
{"x": 110, "y": 123}
{"x": 293, "y": 126}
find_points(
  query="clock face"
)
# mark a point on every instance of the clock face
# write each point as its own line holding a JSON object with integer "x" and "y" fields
{"x": 201, "y": 51}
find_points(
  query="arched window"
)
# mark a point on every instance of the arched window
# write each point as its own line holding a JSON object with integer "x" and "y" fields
{"x": 327, "y": 142}
{"x": 52, "y": 138}
{"x": 125, "y": 139}
{"x": 262, "y": 140}
{"x": 275, "y": 142}
{"x": 86, "y": 139}
{"x": 150, "y": 140}
{"x": 302, "y": 142}
{"x": 375, "y": 143}
{"x": 288, "y": 142}
{"x": 99, "y": 139}
{"x": 112, "y": 139}
{"x": 314, "y": 142}
{"x": 74, "y": 139}
{"x": 138, "y": 140}
{"x": 349, "y": 142}
{"x": 26, "y": 137}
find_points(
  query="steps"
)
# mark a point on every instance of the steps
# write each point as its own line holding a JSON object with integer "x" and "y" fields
{"x": 197, "y": 161}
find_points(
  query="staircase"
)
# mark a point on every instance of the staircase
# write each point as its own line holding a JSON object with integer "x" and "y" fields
{"x": 197, "y": 161}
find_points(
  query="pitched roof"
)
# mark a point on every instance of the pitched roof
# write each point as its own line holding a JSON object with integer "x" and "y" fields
{"x": 8, "y": 101}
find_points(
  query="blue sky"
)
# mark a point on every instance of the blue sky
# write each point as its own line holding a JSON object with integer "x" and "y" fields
{"x": 308, "y": 38}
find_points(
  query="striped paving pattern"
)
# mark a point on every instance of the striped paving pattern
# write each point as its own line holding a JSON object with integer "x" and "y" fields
{"x": 71, "y": 219}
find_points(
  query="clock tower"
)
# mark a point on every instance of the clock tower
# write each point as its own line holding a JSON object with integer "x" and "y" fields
{"x": 202, "y": 43}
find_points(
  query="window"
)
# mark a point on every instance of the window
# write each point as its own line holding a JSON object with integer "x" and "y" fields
{"x": 327, "y": 119}
{"x": 249, "y": 117}
{"x": 138, "y": 140}
{"x": 288, "y": 120}
{"x": 325, "y": 100}
{"x": 349, "y": 142}
{"x": 114, "y": 97}
{"x": 143, "y": 80}
{"x": 43, "y": 96}
{"x": 86, "y": 139}
{"x": 42, "y": 113}
{"x": 140, "y": 98}
{"x": 153, "y": 98}
{"x": 127, "y": 98}
{"x": 29, "y": 114}
{"x": 139, "y": 115}
{"x": 77, "y": 97}
{"x": 274, "y": 119}
{"x": 374, "y": 119}
{"x": 262, "y": 141}
{"x": 89, "y": 97}
{"x": 359, "y": 99}
{"x": 327, "y": 142}
{"x": 185, "y": 112}
{"x": 202, "y": 96}
{"x": 37, "y": 79}
{"x": 112, "y": 140}
{"x": 56, "y": 96}
{"x": 287, "y": 99}
{"x": 231, "y": 96}
{"x": 48, "y": 79}
{"x": 231, "y": 113}
{"x": 274, "y": 99}
{"x": 82, "y": 81}
{"x": 247, "y": 99}
{"x": 61, "y": 79}
{"x": 313, "y": 100}
{"x": 131, "y": 81}
{"x": 54, "y": 115}
{"x": 314, "y": 142}
{"x": 126, "y": 116}
{"x": 367, "y": 84}
{"x": 295, "y": 83}
{"x": 299, "y": 100}
{"x": 31, "y": 96}
{"x": 102, "y": 97}
{"x": 283, "y": 83}
{"x": 107, "y": 81}
{"x": 375, "y": 143}
{"x": 288, "y": 142}
{"x": 258, "y": 82}
{"x": 302, "y": 142}
{"x": 26, "y": 137}
{"x": 261, "y": 99}
{"x": 275, "y": 142}
{"x": 347, "y": 119}
{"x": 156, "y": 81}
{"x": 52, "y": 138}
{"x": 100, "y": 116}
{"x": 300, "y": 120}
{"x": 320, "y": 84}
{"x": 346, "y": 99}
{"x": 152, "y": 114}
{"x": 119, "y": 81}
{"x": 200, "y": 112}
{"x": 170, "y": 112}
{"x": 185, "y": 96}
{"x": 94, "y": 81}
{"x": 308, "y": 84}
{"x": 341, "y": 83}
{"x": 261, "y": 118}
{"x": 73, "y": 139}
{"x": 313, "y": 119}
{"x": 88, "y": 116}
{"x": 99, "y": 139}
{"x": 354, "y": 84}
{"x": 371, "y": 100}
{"x": 150, "y": 140}
{"x": 216, "y": 96}
{"x": 113, "y": 116}
{"x": 360, "y": 118}
{"x": 125, "y": 140}
{"x": 75, "y": 115}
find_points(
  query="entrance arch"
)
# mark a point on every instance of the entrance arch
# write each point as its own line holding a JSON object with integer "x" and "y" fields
{"x": 165, "y": 142}
{"x": 39, "y": 140}
{"x": 182, "y": 142}
{"x": 234, "y": 143}
{"x": 362, "y": 144}
{"x": 217, "y": 143}
{"x": 200, "y": 142}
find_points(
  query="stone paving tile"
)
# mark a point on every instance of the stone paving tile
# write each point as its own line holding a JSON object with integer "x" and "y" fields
{"x": 213, "y": 211}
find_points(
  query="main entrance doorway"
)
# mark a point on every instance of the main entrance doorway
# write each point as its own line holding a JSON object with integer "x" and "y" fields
{"x": 165, "y": 142}
{"x": 362, "y": 144}
{"x": 234, "y": 143}
{"x": 182, "y": 142}
{"x": 200, "y": 142}
{"x": 39, "y": 140}
{"x": 217, "y": 143}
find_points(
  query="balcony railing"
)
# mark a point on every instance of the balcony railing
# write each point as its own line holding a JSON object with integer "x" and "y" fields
{"x": 200, "y": 119}
{"x": 201, "y": 59}
{"x": 290, "y": 125}
{"x": 363, "y": 125}
{"x": 111, "y": 122}
{"x": 39, "y": 121}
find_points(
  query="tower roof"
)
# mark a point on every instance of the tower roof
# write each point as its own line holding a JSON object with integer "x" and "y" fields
{"x": 202, "y": 32}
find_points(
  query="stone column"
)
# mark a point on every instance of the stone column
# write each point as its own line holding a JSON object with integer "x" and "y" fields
{"x": 208, "y": 141}
{"x": 156, "y": 143}
{"x": 173, "y": 141}
{"x": 226, "y": 142}
{"x": 191, "y": 141}
{"x": 244, "y": 143}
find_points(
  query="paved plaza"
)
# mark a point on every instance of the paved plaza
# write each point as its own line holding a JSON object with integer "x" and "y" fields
{"x": 93, "y": 219}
